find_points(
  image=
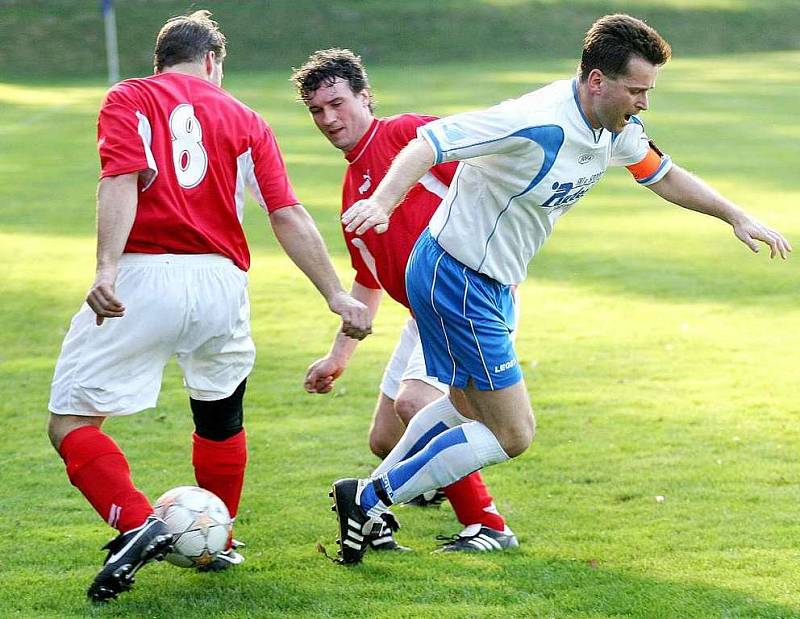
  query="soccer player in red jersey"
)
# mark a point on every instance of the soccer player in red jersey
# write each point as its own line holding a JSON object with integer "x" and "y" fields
{"x": 334, "y": 86}
{"x": 176, "y": 153}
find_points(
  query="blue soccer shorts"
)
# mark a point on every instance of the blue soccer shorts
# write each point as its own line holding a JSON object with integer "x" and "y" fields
{"x": 465, "y": 319}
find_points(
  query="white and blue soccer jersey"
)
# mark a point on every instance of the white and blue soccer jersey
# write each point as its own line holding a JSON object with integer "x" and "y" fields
{"x": 524, "y": 163}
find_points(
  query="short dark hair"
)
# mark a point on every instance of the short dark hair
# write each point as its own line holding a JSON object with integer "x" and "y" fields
{"x": 613, "y": 39}
{"x": 324, "y": 67}
{"x": 188, "y": 38}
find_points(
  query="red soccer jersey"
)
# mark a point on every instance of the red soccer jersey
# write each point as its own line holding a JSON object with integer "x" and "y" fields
{"x": 195, "y": 147}
{"x": 380, "y": 259}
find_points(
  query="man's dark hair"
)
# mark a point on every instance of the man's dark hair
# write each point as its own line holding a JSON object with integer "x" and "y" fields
{"x": 614, "y": 39}
{"x": 188, "y": 38}
{"x": 323, "y": 67}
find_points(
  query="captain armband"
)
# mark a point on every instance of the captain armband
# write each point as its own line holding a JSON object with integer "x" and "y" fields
{"x": 652, "y": 168}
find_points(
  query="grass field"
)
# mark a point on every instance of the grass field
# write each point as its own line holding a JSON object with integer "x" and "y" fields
{"x": 660, "y": 354}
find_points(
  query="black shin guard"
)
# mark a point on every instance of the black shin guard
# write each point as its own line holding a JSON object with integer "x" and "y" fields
{"x": 219, "y": 419}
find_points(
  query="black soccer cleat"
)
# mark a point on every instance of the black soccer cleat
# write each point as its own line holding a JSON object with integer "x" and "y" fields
{"x": 355, "y": 526}
{"x": 127, "y": 553}
{"x": 382, "y": 536}
{"x": 432, "y": 498}
{"x": 225, "y": 560}
{"x": 479, "y": 538}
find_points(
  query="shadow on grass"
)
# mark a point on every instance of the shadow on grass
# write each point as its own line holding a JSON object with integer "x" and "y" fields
{"x": 508, "y": 586}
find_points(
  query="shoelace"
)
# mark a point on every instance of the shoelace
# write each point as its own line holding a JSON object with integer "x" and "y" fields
{"x": 449, "y": 539}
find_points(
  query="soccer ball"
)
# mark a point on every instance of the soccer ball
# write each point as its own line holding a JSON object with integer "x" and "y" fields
{"x": 199, "y": 521}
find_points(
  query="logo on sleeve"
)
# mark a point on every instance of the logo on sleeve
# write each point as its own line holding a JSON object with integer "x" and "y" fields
{"x": 454, "y": 133}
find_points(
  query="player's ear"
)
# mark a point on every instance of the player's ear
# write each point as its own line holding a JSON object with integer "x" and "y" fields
{"x": 594, "y": 81}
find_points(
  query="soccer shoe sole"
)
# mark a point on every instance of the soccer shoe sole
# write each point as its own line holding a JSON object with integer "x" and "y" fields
{"x": 347, "y": 555}
{"x": 108, "y": 586}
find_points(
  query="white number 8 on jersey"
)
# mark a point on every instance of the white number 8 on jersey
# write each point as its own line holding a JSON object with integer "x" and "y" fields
{"x": 188, "y": 155}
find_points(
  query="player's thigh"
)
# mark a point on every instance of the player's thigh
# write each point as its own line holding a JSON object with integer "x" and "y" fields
{"x": 216, "y": 350}
{"x": 116, "y": 368}
{"x": 418, "y": 388}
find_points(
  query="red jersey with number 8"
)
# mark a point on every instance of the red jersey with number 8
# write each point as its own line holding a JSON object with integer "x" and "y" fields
{"x": 195, "y": 148}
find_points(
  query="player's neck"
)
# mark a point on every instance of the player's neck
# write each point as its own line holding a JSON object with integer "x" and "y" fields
{"x": 188, "y": 68}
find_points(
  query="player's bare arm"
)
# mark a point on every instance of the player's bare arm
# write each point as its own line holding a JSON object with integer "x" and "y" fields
{"x": 322, "y": 374}
{"x": 116, "y": 210}
{"x": 298, "y": 235}
{"x": 409, "y": 166}
{"x": 687, "y": 190}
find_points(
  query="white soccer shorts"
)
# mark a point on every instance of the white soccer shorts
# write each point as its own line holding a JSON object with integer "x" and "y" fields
{"x": 193, "y": 306}
{"x": 407, "y": 363}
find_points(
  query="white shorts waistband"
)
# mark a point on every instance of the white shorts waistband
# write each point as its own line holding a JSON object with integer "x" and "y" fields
{"x": 187, "y": 260}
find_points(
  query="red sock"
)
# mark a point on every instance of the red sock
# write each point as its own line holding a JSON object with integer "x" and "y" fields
{"x": 472, "y": 502}
{"x": 97, "y": 467}
{"x": 219, "y": 467}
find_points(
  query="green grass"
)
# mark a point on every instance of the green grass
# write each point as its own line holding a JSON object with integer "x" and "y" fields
{"x": 660, "y": 356}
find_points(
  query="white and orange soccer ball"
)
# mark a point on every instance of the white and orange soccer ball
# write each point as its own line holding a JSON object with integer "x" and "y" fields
{"x": 199, "y": 521}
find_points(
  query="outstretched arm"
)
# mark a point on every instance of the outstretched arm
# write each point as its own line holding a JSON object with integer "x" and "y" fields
{"x": 321, "y": 374}
{"x": 408, "y": 167}
{"x": 687, "y": 190}
{"x": 298, "y": 235}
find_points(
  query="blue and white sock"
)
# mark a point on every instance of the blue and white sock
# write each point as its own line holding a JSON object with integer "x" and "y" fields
{"x": 430, "y": 421}
{"x": 451, "y": 455}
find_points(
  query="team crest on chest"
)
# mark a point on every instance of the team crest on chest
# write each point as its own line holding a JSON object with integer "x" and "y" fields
{"x": 364, "y": 187}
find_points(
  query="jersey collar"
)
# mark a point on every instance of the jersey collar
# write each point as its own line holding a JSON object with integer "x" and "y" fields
{"x": 595, "y": 133}
{"x": 353, "y": 154}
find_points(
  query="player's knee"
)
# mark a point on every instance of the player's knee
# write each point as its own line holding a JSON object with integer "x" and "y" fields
{"x": 379, "y": 444}
{"x": 58, "y": 426}
{"x": 54, "y": 431}
{"x": 518, "y": 436}
{"x": 219, "y": 420}
{"x": 407, "y": 405}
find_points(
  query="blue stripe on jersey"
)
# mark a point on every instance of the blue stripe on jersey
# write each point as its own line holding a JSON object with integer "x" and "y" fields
{"x": 405, "y": 470}
{"x": 516, "y": 134}
{"x": 578, "y": 104}
{"x": 550, "y": 138}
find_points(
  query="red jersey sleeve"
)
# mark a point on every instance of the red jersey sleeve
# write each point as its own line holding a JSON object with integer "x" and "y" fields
{"x": 404, "y": 129}
{"x": 123, "y": 137}
{"x": 270, "y": 181}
